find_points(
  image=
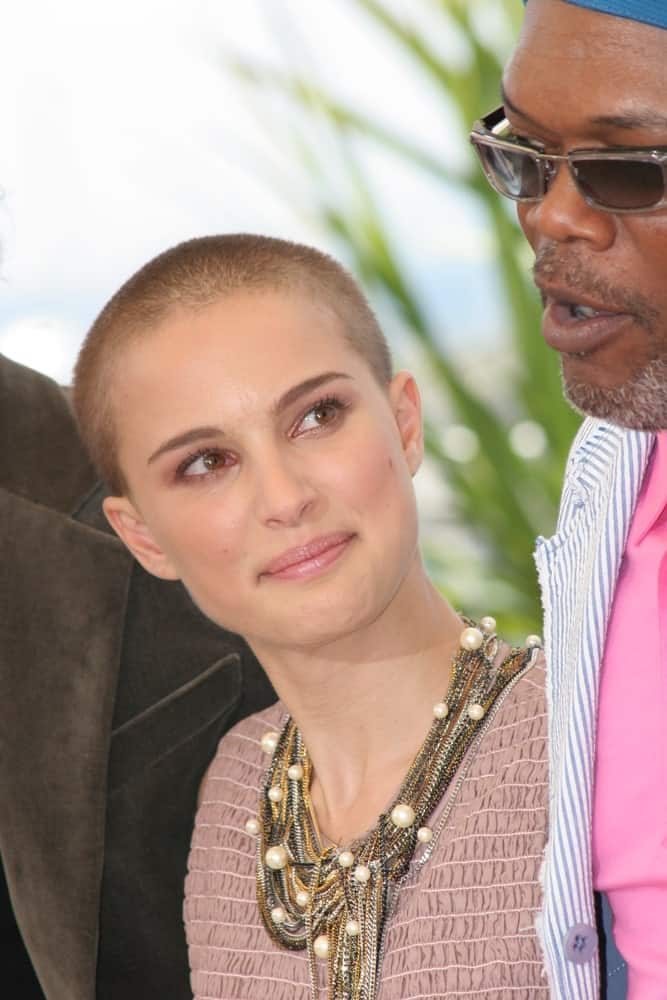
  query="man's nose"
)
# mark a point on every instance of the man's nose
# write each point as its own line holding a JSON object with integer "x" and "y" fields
{"x": 563, "y": 215}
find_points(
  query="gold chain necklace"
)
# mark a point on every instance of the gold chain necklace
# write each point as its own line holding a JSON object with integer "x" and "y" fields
{"x": 334, "y": 902}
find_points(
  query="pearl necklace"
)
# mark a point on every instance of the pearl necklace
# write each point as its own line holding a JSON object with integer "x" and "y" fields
{"x": 334, "y": 902}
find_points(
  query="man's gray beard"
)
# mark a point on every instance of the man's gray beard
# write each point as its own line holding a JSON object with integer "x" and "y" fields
{"x": 639, "y": 404}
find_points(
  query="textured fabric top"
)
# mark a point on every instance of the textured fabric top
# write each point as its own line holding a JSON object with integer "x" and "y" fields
{"x": 462, "y": 923}
{"x": 648, "y": 11}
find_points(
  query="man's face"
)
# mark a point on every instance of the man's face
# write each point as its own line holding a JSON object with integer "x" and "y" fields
{"x": 580, "y": 79}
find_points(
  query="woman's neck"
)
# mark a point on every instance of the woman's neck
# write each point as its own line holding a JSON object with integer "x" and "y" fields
{"x": 364, "y": 705}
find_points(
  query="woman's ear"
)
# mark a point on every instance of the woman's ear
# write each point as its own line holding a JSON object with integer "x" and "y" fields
{"x": 406, "y": 404}
{"x": 130, "y": 527}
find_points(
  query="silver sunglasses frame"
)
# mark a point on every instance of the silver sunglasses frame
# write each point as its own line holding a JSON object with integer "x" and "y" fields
{"x": 484, "y": 133}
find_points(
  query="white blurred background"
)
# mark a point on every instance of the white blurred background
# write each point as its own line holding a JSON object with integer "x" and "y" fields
{"x": 124, "y": 131}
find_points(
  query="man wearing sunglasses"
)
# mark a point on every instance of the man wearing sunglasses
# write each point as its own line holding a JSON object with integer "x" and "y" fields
{"x": 581, "y": 146}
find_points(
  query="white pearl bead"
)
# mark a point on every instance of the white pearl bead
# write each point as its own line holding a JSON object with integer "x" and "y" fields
{"x": 471, "y": 638}
{"x": 362, "y": 874}
{"x": 269, "y": 741}
{"x": 487, "y": 624}
{"x": 278, "y": 915}
{"x": 440, "y": 710}
{"x": 252, "y": 826}
{"x": 476, "y": 711}
{"x": 533, "y": 640}
{"x": 275, "y": 793}
{"x": 321, "y": 946}
{"x": 353, "y": 928}
{"x": 402, "y": 815}
{"x": 302, "y": 898}
{"x": 424, "y": 834}
{"x": 295, "y": 772}
{"x": 346, "y": 859}
{"x": 275, "y": 857}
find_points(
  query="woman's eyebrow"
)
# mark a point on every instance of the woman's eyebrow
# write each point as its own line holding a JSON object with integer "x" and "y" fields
{"x": 302, "y": 388}
{"x": 187, "y": 437}
{"x": 287, "y": 398}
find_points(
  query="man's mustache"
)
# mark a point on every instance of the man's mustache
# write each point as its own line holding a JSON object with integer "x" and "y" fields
{"x": 564, "y": 268}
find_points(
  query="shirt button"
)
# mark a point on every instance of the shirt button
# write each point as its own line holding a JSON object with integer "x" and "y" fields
{"x": 581, "y": 943}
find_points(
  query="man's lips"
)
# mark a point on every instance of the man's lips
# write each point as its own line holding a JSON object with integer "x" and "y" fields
{"x": 579, "y": 324}
{"x": 308, "y": 559}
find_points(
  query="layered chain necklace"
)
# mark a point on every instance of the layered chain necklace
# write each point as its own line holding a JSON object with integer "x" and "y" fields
{"x": 332, "y": 901}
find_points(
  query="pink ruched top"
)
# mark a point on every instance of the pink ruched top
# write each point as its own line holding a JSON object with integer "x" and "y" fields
{"x": 463, "y": 923}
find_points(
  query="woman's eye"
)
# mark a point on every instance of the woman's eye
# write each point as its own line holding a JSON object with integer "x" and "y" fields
{"x": 321, "y": 414}
{"x": 204, "y": 463}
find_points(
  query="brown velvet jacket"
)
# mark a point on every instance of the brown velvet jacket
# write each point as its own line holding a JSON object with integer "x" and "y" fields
{"x": 114, "y": 692}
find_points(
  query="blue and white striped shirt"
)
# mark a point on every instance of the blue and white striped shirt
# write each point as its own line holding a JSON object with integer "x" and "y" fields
{"x": 577, "y": 568}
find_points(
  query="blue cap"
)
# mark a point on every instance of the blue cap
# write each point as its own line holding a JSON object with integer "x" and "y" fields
{"x": 648, "y": 11}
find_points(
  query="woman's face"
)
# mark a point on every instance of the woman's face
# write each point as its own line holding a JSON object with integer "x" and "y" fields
{"x": 268, "y": 469}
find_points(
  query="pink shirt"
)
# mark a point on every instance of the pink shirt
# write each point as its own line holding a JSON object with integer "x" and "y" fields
{"x": 630, "y": 799}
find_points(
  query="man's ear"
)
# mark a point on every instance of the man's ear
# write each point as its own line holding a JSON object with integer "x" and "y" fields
{"x": 407, "y": 407}
{"x": 130, "y": 527}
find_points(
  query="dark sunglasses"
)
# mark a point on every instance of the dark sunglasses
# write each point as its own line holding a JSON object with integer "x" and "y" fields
{"x": 622, "y": 179}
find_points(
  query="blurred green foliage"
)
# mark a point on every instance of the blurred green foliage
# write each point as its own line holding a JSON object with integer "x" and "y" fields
{"x": 502, "y": 500}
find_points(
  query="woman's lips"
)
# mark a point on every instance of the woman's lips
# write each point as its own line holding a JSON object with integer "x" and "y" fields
{"x": 580, "y": 335}
{"x": 309, "y": 559}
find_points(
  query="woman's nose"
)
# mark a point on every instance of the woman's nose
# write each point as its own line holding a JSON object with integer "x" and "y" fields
{"x": 284, "y": 491}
